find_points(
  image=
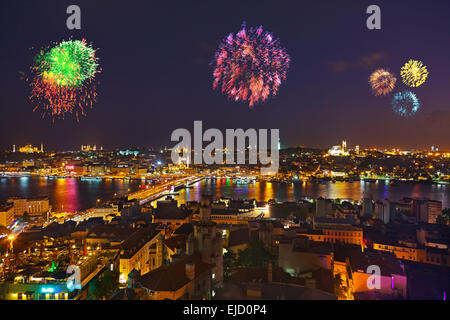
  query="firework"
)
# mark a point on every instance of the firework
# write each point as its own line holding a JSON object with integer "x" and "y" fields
{"x": 405, "y": 103}
{"x": 250, "y": 65}
{"x": 414, "y": 73}
{"x": 382, "y": 82}
{"x": 63, "y": 79}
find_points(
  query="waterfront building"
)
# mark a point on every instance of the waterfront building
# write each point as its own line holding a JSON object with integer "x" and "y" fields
{"x": 426, "y": 210}
{"x": 32, "y": 206}
{"x": 6, "y": 214}
{"x": 105, "y": 210}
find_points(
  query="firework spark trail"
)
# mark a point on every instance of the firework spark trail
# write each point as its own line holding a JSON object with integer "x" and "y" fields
{"x": 63, "y": 79}
{"x": 250, "y": 65}
{"x": 414, "y": 73}
{"x": 405, "y": 104}
{"x": 382, "y": 82}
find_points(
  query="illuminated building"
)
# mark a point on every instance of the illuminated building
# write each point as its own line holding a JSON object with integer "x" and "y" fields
{"x": 128, "y": 152}
{"x": 343, "y": 234}
{"x": 6, "y": 214}
{"x": 51, "y": 284}
{"x": 392, "y": 281}
{"x": 89, "y": 148}
{"x": 104, "y": 210}
{"x": 187, "y": 278}
{"x": 302, "y": 255}
{"x": 135, "y": 252}
{"x": 426, "y": 210}
{"x": 336, "y": 151}
{"x": 30, "y": 149}
{"x": 121, "y": 170}
{"x": 32, "y": 206}
{"x": 56, "y": 290}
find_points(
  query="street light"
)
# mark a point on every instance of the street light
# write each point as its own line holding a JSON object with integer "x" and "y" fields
{"x": 11, "y": 239}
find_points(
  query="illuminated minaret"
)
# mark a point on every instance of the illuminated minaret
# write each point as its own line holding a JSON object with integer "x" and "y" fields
{"x": 344, "y": 146}
{"x": 14, "y": 148}
{"x": 42, "y": 147}
{"x": 357, "y": 149}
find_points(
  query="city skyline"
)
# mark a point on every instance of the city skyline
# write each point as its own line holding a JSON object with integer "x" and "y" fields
{"x": 157, "y": 73}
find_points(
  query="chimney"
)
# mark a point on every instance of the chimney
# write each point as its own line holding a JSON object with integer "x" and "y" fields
{"x": 190, "y": 271}
{"x": 269, "y": 272}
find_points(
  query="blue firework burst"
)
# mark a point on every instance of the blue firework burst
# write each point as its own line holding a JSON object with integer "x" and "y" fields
{"x": 405, "y": 103}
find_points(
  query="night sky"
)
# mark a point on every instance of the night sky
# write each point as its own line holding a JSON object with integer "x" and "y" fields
{"x": 157, "y": 73}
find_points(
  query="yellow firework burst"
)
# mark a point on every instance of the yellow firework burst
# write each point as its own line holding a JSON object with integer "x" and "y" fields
{"x": 414, "y": 73}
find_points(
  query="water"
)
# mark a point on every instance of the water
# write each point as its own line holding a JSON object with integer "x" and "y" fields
{"x": 71, "y": 194}
{"x": 66, "y": 194}
{"x": 264, "y": 191}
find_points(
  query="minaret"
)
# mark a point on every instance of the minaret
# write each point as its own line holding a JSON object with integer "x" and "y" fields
{"x": 42, "y": 147}
{"x": 14, "y": 148}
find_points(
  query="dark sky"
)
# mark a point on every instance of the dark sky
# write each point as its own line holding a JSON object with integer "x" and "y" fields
{"x": 157, "y": 74}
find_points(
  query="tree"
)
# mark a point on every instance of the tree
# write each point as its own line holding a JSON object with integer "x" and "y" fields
{"x": 104, "y": 286}
{"x": 446, "y": 213}
{"x": 229, "y": 262}
{"x": 255, "y": 255}
{"x": 441, "y": 220}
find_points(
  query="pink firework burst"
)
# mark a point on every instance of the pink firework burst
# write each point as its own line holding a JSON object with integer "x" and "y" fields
{"x": 250, "y": 66}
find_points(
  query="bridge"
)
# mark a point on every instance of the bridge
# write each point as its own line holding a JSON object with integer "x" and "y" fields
{"x": 152, "y": 193}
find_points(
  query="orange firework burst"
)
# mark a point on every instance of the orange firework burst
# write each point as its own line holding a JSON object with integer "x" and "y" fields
{"x": 382, "y": 82}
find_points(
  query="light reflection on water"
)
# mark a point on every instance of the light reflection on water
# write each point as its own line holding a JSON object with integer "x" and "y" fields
{"x": 66, "y": 194}
{"x": 71, "y": 194}
{"x": 264, "y": 191}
